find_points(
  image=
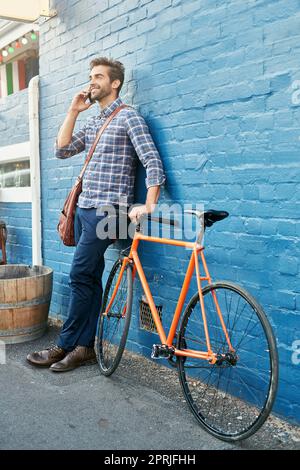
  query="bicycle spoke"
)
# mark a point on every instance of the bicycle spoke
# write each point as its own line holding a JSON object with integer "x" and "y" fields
{"x": 254, "y": 372}
{"x": 249, "y": 389}
{"x": 224, "y": 403}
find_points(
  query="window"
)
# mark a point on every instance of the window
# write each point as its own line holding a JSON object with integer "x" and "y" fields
{"x": 15, "y": 174}
{"x": 15, "y": 182}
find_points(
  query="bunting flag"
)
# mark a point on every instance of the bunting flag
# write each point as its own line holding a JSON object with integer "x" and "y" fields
{"x": 12, "y": 77}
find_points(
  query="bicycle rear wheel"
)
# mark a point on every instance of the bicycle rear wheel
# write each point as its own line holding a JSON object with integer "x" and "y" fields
{"x": 112, "y": 329}
{"x": 232, "y": 398}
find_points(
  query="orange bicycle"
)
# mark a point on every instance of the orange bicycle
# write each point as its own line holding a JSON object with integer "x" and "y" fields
{"x": 224, "y": 348}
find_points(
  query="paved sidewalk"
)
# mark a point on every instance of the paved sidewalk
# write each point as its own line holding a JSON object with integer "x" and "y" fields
{"x": 134, "y": 409}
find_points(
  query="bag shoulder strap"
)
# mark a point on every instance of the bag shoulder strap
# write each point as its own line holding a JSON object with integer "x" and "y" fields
{"x": 101, "y": 130}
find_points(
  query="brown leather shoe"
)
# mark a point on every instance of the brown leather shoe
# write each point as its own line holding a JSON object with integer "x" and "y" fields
{"x": 46, "y": 357}
{"x": 81, "y": 355}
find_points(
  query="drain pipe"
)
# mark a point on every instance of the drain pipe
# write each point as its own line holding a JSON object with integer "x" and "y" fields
{"x": 35, "y": 173}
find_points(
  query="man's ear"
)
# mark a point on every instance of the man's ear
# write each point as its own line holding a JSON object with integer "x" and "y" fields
{"x": 116, "y": 84}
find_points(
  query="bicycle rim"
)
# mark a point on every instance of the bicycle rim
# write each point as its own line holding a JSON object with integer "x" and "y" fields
{"x": 113, "y": 327}
{"x": 231, "y": 401}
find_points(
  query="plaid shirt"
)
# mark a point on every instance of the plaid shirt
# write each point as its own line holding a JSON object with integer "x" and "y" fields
{"x": 109, "y": 177}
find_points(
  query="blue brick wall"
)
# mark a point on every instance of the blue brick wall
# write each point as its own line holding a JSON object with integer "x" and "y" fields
{"x": 14, "y": 121}
{"x": 17, "y": 217}
{"x": 14, "y": 129}
{"x": 215, "y": 81}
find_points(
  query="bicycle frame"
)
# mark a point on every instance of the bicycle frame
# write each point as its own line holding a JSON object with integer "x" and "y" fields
{"x": 193, "y": 265}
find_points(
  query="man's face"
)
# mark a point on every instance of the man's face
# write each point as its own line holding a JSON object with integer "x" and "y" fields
{"x": 100, "y": 84}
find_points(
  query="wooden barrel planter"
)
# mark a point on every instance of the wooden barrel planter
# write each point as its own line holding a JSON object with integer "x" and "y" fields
{"x": 25, "y": 295}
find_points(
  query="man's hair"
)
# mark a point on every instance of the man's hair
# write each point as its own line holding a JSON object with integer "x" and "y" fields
{"x": 116, "y": 69}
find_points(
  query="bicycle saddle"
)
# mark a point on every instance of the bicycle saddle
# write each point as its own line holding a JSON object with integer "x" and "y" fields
{"x": 211, "y": 216}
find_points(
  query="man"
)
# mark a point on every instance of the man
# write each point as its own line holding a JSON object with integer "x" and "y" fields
{"x": 109, "y": 179}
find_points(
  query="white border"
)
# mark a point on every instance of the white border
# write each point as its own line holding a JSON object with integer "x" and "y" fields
{"x": 12, "y": 153}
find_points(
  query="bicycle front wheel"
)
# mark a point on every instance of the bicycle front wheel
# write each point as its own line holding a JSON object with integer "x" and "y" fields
{"x": 232, "y": 398}
{"x": 113, "y": 326}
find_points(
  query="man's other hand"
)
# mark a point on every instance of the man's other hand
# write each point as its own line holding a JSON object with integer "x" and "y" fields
{"x": 137, "y": 211}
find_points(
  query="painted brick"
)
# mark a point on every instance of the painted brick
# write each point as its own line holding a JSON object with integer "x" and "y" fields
{"x": 154, "y": 8}
{"x": 289, "y": 266}
{"x": 17, "y": 217}
{"x": 215, "y": 86}
{"x": 119, "y": 24}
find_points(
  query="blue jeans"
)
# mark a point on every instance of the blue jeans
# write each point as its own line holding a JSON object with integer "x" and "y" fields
{"x": 85, "y": 282}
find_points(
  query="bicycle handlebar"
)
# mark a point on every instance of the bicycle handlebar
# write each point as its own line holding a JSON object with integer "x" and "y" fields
{"x": 161, "y": 220}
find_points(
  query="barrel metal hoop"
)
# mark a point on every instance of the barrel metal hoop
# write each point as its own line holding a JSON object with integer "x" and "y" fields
{"x": 24, "y": 331}
{"x": 27, "y": 303}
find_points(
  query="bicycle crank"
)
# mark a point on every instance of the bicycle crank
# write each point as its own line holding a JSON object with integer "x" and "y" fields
{"x": 162, "y": 351}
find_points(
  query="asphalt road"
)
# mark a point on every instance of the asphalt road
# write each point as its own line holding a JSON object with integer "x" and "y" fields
{"x": 137, "y": 408}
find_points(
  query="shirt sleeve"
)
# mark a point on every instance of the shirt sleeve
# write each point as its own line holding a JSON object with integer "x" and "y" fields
{"x": 139, "y": 134}
{"x": 76, "y": 145}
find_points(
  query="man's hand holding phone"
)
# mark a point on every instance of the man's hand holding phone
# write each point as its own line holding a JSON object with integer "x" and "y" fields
{"x": 80, "y": 103}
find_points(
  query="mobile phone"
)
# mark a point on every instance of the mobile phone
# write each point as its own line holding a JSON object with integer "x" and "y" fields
{"x": 90, "y": 98}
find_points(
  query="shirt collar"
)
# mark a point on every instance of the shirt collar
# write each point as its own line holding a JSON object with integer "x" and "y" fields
{"x": 110, "y": 108}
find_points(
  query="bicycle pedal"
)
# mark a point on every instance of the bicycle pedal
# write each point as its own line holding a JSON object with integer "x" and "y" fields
{"x": 162, "y": 351}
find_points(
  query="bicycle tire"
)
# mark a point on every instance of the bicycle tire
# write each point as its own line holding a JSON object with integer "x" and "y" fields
{"x": 240, "y": 394}
{"x": 120, "y": 325}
